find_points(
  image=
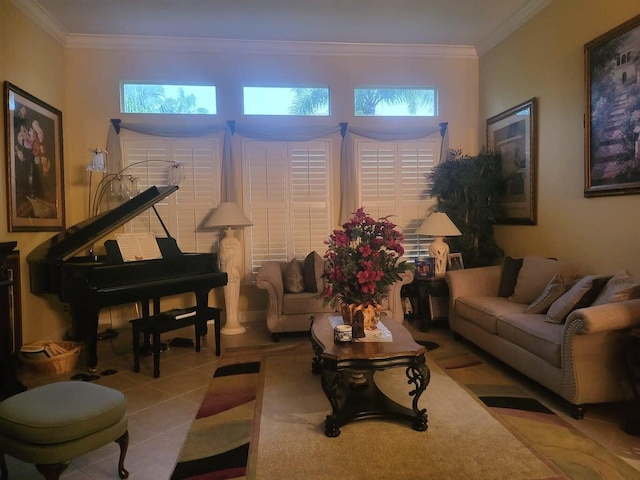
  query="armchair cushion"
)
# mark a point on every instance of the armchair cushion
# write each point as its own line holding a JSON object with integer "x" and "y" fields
{"x": 292, "y": 277}
{"x": 312, "y": 270}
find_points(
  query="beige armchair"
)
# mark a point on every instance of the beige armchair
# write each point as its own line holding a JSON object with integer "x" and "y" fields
{"x": 292, "y": 312}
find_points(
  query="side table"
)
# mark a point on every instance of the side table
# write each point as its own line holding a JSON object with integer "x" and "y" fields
{"x": 429, "y": 299}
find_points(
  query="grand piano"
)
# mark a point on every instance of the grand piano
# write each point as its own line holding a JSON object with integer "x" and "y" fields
{"x": 89, "y": 283}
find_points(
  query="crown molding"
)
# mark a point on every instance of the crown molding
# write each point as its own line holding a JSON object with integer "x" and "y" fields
{"x": 265, "y": 47}
{"x": 507, "y": 28}
{"x": 34, "y": 11}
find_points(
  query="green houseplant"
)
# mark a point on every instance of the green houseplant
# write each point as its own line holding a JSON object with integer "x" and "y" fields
{"x": 466, "y": 188}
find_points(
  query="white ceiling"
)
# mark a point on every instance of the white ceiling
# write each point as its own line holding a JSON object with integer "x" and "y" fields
{"x": 477, "y": 23}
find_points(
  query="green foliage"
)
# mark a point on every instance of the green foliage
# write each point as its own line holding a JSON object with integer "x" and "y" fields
{"x": 467, "y": 188}
{"x": 152, "y": 99}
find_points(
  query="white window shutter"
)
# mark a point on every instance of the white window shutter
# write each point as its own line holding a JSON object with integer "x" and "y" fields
{"x": 149, "y": 159}
{"x": 393, "y": 181}
{"x": 287, "y": 194}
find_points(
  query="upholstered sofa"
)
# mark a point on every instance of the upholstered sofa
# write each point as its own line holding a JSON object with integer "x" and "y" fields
{"x": 292, "y": 300}
{"x": 573, "y": 348}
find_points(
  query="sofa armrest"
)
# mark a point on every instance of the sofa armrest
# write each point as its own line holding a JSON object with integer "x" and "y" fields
{"x": 269, "y": 278}
{"x": 607, "y": 317}
{"x": 478, "y": 281}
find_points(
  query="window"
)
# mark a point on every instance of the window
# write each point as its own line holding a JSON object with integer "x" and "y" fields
{"x": 391, "y": 102}
{"x": 168, "y": 99}
{"x": 286, "y": 101}
{"x": 182, "y": 212}
{"x": 393, "y": 180}
{"x": 287, "y": 193}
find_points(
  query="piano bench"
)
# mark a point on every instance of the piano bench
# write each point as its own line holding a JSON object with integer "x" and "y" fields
{"x": 163, "y": 322}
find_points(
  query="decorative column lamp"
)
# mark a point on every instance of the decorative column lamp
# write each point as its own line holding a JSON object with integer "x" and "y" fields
{"x": 229, "y": 216}
{"x": 438, "y": 225}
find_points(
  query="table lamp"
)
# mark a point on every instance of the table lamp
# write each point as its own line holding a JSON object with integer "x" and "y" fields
{"x": 229, "y": 216}
{"x": 439, "y": 225}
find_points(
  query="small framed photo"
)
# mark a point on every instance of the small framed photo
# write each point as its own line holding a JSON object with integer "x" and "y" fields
{"x": 425, "y": 267}
{"x": 454, "y": 261}
{"x": 35, "y": 182}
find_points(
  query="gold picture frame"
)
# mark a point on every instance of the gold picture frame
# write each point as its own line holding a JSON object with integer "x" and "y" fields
{"x": 612, "y": 147}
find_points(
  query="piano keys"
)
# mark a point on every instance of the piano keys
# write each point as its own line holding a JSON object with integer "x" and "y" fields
{"x": 88, "y": 283}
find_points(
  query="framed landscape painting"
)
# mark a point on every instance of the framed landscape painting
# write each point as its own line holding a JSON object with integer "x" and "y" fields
{"x": 35, "y": 182}
{"x": 514, "y": 135}
{"x": 612, "y": 143}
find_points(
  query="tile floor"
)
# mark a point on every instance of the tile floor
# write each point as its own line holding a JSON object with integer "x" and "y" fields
{"x": 161, "y": 410}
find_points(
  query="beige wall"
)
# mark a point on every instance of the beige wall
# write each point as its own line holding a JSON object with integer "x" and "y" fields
{"x": 31, "y": 60}
{"x": 545, "y": 59}
{"x": 84, "y": 84}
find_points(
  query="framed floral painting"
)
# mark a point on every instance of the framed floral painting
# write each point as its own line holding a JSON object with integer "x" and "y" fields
{"x": 35, "y": 178}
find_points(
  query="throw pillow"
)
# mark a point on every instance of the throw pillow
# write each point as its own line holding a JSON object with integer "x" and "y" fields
{"x": 312, "y": 270}
{"x": 292, "y": 277}
{"x": 535, "y": 274}
{"x": 510, "y": 269}
{"x": 580, "y": 295}
{"x": 622, "y": 286}
{"x": 554, "y": 290}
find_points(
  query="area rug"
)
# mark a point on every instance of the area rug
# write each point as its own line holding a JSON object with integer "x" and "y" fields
{"x": 262, "y": 418}
{"x": 292, "y": 443}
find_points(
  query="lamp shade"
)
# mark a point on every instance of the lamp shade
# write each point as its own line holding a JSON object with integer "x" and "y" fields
{"x": 228, "y": 215}
{"x": 438, "y": 224}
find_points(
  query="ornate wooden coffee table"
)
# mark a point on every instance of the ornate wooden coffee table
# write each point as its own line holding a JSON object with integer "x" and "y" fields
{"x": 339, "y": 363}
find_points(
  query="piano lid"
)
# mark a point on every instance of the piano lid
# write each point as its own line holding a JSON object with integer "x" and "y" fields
{"x": 66, "y": 244}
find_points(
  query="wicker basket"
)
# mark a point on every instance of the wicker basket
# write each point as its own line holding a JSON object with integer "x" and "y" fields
{"x": 62, "y": 363}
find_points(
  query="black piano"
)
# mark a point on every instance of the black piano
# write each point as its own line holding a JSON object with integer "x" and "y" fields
{"x": 89, "y": 283}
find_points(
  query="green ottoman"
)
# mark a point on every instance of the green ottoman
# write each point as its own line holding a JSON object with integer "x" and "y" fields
{"x": 53, "y": 424}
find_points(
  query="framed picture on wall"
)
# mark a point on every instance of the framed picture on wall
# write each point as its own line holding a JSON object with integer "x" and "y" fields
{"x": 35, "y": 178}
{"x": 514, "y": 135}
{"x": 612, "y": 146}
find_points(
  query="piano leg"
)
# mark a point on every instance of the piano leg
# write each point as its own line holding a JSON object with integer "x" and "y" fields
{"x": 84, "y": 327}
{"x": 202, "y": 303}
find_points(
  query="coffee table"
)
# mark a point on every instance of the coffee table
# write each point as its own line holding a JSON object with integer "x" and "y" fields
{"x": 347, "y": 374}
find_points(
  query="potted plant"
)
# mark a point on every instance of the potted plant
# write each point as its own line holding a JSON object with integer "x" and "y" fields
{"x": 362, "y": 260}
{"x": 466, "y": 188}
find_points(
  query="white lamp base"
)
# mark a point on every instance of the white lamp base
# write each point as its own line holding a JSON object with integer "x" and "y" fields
{"x": 230, "y": 263}
{"x": 232, "y": 330}
{"x": 439, "y": 250}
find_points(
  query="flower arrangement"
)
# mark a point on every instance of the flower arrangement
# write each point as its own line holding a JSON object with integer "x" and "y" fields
{"x": 362, "y": 260}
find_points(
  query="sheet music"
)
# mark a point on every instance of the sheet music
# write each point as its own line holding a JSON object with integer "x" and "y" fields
{"x": 138, "y": 246}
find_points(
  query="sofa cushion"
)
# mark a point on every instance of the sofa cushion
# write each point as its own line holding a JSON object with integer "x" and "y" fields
{"x": 530, "y": 332}
{"x": 509, "y": 276}
{"x": 303, "y": 303}
{"x": 622, "y": 286}
{"x": 554, "y": 290}
{"x": 292, "y": 277}
{"x": 312, "y": 270}
{"x": 535, "y": 274}
{"x": 484, "y": 311}
{"x": 580, "y": 295}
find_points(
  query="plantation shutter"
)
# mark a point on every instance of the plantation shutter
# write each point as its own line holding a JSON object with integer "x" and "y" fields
{"x": 149, "y": 160}
{"x": 393, "y": 181}
{"x": 287, "y": 194}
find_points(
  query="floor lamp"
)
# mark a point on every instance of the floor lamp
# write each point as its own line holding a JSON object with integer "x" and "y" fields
{"x": 439, "y": 225}
{"x": 229, "y": 216}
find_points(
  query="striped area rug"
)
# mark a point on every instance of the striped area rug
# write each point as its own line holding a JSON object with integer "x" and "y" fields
{"x": 217, "y": 446}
